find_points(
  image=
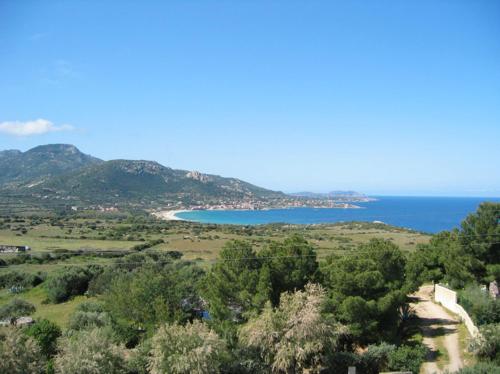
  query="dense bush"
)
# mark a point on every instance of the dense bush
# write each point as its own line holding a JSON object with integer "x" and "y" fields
{"x": 20, "y": 279}
{"x": 20, "y": 354}
{"x": 45, "y": 333}
{"x": 143, "y": 246}
{"x": 486, "y": 345}
{"x": 70, "y": 281}
{"x": 481, "y": 307}
{"x": 192, "y": 348}
{"x": 382, "y": 357}
{"x": 481, "y": 368}
{"x": 91, "y": 351}
{"x": 16, "y": 308}
{"x": 407, "y": 358}
{"x": 296, "y": 336}
{"x": 89, "y": 315}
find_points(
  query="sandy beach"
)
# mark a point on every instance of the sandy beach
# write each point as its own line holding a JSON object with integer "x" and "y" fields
{"x": 170, "y": 215}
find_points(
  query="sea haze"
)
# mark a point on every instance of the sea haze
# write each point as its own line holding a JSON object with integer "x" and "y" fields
{"x": 428, "y": 214}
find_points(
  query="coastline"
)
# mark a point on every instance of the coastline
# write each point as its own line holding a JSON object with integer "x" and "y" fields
{"x": 170, "y": 215}
{"x": 389, "y": 210}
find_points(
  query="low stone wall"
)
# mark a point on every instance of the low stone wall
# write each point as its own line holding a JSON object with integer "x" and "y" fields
{"x": 448, "y": 299}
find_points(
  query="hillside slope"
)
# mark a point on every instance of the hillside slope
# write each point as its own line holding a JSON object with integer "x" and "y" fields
{"x": 41, "y": 162}
{"x": 143, "y": 181}
{"x": 64, "y": 174}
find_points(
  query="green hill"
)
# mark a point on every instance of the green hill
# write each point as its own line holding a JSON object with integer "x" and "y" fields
{"x": 62, "y": 173}
{"x": 41, "y": 162}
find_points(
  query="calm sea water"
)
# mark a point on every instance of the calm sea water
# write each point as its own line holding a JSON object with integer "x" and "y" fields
{"x": 429, "y": 214}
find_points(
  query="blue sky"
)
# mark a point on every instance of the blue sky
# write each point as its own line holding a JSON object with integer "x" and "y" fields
{"x": 384, "y": 97}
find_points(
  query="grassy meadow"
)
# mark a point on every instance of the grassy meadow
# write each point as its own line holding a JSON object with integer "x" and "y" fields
{"x": 95, "y": 239}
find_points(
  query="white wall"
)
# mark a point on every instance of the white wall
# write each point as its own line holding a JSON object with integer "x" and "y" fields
{"x": 448, "y": 299}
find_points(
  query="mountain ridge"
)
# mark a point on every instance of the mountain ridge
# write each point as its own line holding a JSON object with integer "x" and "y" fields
{"x": 43, "y": 161}
{"x": 61, "y": 172}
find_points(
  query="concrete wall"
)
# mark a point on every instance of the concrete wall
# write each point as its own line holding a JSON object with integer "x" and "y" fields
{"x": 448, "y": 299}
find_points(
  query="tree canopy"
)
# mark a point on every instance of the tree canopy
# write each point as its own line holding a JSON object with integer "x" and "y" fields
{"x": 366, "y": 289}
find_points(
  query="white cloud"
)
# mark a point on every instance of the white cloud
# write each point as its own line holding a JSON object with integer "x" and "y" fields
{"x": 29, "y": 128}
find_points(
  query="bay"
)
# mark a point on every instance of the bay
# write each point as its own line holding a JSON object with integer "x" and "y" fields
{"x": 427, "y": 214}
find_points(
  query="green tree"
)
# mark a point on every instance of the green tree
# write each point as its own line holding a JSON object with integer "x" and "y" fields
{"x": 231, "y": 284}
{"x": 45, "y": 333}
{"x": 479, "y": 237}
{"x": 242, "y": 281}
{"x": 366, "y": 289}
{"x": 426, "y": 263}
{"x": 462, "y": 256}
{"x": 292, "y": 264}
{"x": 148, "y": 296}
{"x": 192, "y": 348}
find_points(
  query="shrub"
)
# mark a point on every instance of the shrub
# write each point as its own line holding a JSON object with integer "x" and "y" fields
{"x": 487, "y": 344}
{"x": 295, "y": 337}
{"x": 376, "y": 358}
{"x": 16, "y": 308}
{"x": 45, "y": 333}
{"x": 20, "y": 354}
{"x": 138, "y": 362}
{"x": 407, "y": 358}
{"x": 193, "y": 348}
{"x": 89, "y": 315}
{"x": 69, "y": 282}
{"x": 19, "y": 279}
{"x": 89, "y": 352}
{"x": 481, "y": 307}
{"x": 143, "y": 246}
{"x": 481, "y": 368}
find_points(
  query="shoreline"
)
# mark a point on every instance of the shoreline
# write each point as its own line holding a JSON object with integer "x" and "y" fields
{"x": 170, "y": 215}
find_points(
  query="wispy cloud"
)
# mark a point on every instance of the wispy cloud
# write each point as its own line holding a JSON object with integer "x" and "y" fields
{"x": 60, "y": 71}
{"x": 30, "y": 128}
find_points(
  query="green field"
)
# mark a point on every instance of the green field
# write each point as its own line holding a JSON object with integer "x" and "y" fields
{"x": 195, "y": 241}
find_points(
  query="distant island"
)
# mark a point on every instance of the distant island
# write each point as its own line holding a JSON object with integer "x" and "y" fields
{"x": 58, "y": 177}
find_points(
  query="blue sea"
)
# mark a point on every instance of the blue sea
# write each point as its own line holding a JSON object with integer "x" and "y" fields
{"x": 428, "y": 214}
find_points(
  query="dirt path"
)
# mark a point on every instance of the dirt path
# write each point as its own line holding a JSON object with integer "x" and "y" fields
{"x": 436, "y": 322}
